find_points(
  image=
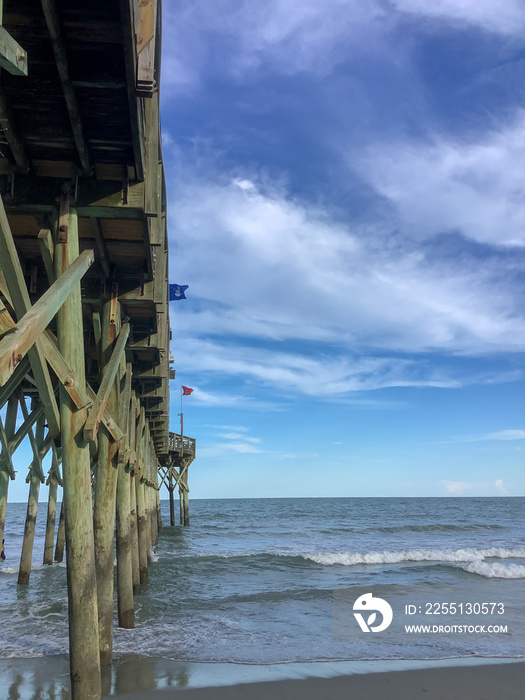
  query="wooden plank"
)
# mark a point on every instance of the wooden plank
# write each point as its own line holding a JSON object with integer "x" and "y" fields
{"x": 52, "y": 17}
{"x": 15, "y": 345}
{"x": 12, "y": 56}
{"x": 110, "y": 372}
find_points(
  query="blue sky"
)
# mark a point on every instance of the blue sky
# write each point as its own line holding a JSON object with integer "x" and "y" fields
{"x": 347, "y": 205}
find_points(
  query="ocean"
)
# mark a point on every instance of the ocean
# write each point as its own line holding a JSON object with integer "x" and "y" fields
{"x": 265, "y": 581}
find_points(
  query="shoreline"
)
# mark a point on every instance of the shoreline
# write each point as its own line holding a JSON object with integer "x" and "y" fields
{"x": 139, "y": 677}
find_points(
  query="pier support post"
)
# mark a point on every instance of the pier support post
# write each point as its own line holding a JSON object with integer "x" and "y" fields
{"x": 134, "y": 536}
{"x": 159, "y": 515}
{"x": 81, "y": 574}
{"x": 51, "y": 518}
{"x": 106, "y": 490}
{"x": 4, "y": 486}
{"x": 61, "y": 534}
{"x": 142, "y": 532}
{"x": 29, "y": 531}
{"x": 181, "y": 507}
{"x": 172, "y": 503}
{"x": 126, "y": 613}
{"x": 185, "y": 498}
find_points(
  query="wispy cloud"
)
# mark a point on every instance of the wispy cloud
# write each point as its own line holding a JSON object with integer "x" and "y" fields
{"x": 474, "y": 488}
{"x": 513, "y": 434}
{"x": 266, "y": 265}
{"x": 232, "y": 443}
{"x": 443, "y": 184}
{"x": 506, "y": 17}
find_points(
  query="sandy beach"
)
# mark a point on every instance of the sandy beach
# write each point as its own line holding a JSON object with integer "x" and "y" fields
{"x": 491, "y": 682}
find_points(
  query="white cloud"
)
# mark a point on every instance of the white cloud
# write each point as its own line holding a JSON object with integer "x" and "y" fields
{"x": 283, "y": 36}
{"x": 506, "y": 435}
{"x": 474, "y": 488}
{"x": 505, "y": 17}
{"x": 267, "y": 266}
{"x": 240, "y": 38}
{"x": 232, "y": 443}
{"x": 474, "y": 187}
{"x": 222, "y": 400}
{"x": 514, "y": 434}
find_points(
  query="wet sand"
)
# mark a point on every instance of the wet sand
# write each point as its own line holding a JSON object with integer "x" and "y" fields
{"x": 490, "y": 682}
{"x": 137, "y": 677}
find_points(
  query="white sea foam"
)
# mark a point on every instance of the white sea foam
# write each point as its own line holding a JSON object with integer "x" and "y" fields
{"x": 471, "y": 560}
{"x": 494, "y": 569}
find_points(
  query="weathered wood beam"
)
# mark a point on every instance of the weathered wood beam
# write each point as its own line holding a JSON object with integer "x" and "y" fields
{"x": 54, "y": 27}
{"x": 106, "y": 472}
{"x": 94, "y": 198}
{"x": 82, "y": 397}
{"x": 17, "y": 287}
{"x": 51, "y": 518}
{"x": 81, "y": 575}
{"x": 12, "y": 56}
{"x": 110, "y": 372}
{"x": 16, "y": 344}
{"x": 127, "y": 12}
{"x": 14, "y": 140}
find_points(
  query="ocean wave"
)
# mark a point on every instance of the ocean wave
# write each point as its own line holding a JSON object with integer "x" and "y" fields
{"x": 494, "y": 569}
{"x": 471, "y": 560}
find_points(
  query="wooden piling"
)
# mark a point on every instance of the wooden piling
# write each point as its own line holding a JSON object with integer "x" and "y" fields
{"x": 61, "y": 534}
{"x": 26, "y": 557}
{"x": 134, "y": 536}
{"x": 4, "y": 487}
{"x": 172, "y": 503}
{"x": 159, "y": 514}
{"x": 185, "y": 500}
{"x": 126, "y": 614}
{"x": 51, "y": 518}
{"x": 142, "y": 533}
{"x": 181, "y": 507}
{"x": 81, "y": 574}
{"x": 106, "y": 490}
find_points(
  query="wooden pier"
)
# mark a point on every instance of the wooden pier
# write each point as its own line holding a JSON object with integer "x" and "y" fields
{"x": 84, "y": 322}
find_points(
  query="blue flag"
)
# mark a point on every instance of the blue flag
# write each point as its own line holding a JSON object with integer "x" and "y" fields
{"x": 177, "y": 291}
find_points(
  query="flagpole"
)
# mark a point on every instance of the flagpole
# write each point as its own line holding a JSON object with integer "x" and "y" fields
{"x": 181, "y": 427}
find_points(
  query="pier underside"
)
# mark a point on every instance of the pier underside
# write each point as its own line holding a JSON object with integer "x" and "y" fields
{"x": 84, "y": 323}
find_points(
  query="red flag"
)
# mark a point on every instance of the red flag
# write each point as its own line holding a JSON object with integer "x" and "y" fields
{"x": 186, "y": 391}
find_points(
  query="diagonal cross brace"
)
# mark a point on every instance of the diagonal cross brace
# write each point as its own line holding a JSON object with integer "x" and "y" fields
{"x": 110, "y": 372}
{"x": 23, "y": 336}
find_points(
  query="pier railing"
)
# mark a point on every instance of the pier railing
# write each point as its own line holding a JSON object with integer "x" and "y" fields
{"x": 184, "y": 445}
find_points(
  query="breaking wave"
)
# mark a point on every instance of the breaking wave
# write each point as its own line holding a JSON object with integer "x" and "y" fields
{"x": 471, "y": 560}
